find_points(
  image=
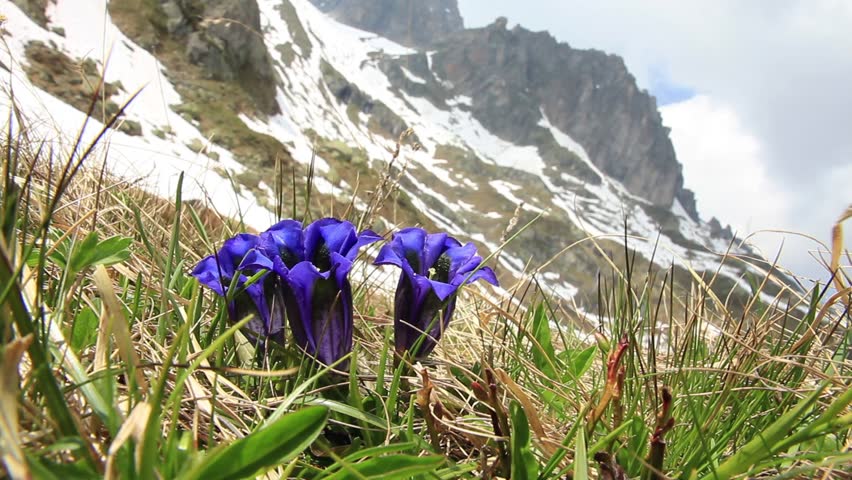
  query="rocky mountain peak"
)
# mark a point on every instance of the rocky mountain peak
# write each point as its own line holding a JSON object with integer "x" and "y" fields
{"x": 414, "y": 23}
{"x": 516, "y": 77}
{"x": 512, "y": 126}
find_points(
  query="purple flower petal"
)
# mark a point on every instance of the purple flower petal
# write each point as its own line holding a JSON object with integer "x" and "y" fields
{"x": 301, "y": 280}
{"x": 319, "y": 300}
{"x": 255, "y": 261}
{"x": 240, "y": 258}
{"x": 314, "y": 235}
{"x": 308, "y": 279}
{"x": 284, "y": 240}
{"x": 484, "y": 273}
{"x": 434, "y": 247}
{"x": 321, "y": 316}
{"x": 442, "y": 290}
{"x": 364, "y": 238}
{"x": 434, "y": 266}
{"x": 210, "y": 274}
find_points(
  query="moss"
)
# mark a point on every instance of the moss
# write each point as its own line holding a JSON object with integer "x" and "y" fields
{"x": 352, "y": 111}
{"x": 196, "y": 145}
{"x": 249, "y": 179}
{"x": 385, "y": 122}
{"x": 342, "y": 154}
{"x": 455, "y": 155}
{"x": 199, "y": 146}
{"x": 188, "y": 112}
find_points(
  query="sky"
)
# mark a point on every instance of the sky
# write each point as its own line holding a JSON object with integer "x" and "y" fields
{"x": 758, "y": 96}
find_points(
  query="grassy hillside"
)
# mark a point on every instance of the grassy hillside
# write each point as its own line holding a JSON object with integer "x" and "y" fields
{"x": 116, "y": 363}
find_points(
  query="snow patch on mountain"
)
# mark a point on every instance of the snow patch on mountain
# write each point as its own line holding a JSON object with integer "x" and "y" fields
{"x": 432, "y": 185}
{"x": 412, "y": 77}
{"x": 599, "y": 210}
{"x": 148, "y": 160}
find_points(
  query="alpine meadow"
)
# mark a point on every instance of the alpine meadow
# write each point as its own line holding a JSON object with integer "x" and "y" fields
{"x": 355, "y": 239}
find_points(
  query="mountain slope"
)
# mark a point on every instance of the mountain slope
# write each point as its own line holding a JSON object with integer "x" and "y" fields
{"x": 503, "y": 130}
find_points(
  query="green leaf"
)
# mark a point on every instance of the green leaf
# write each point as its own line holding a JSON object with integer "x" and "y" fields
{"x": 45, "y": 469}
{"x": 111, "y": 251}
{"x": 581, "y": 362}
{"x": 544, "y": 356}
{"x": 58, "y": 257}
{"x": 92, "y": 252}
{"x": 456, "y": 471}
{"x": 83, "y": 252}
{"x": 524, "y": 463}
{"x": 34, "y": 257}
{"x": 359, "y": 453}
{"x": 273, "y": 445}
{"x": 84, "y": 333}
{"x": 763, "y": 444}
{"x": 348, "y": 410}
{"x": 581, "y": 463}
{"x": 390, "y": 467}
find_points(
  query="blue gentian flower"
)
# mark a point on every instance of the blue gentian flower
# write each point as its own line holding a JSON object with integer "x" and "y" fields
{"x": 434, "y": 266}
{"x": 262, "y": 299}
{"x": 314, "y": 263}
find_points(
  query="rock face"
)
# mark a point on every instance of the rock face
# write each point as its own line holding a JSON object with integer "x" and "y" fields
{"x": 415, "y": 23}
{"x": 223, "y": 37}
{"x": 515, "y": 75}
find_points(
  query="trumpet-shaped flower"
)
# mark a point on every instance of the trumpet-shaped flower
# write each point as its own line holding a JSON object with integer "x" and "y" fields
{"x": 434, "y": 267}
{"x": 260, "y": 299}
{"x": 314, "y": 263}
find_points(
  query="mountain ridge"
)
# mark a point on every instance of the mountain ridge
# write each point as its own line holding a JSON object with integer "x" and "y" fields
{"x": 346, "y": 95}
{"x": 586, "y": 93}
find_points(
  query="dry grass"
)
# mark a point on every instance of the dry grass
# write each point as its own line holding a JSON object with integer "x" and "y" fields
{"x": 156, "y": 370}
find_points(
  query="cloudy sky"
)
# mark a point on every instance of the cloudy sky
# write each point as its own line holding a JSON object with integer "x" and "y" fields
{"x": 758, "y": 95}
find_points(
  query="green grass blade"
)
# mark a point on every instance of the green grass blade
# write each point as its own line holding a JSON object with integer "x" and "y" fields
{"x": 391, "y": 467}
{"x": 273, "y": 445}
{"x": 581, "y": 463}
{"x": 56, "y": 403}
{"x": 761, "y": 446}
{"x": 173, "y": 253}
{"x": 348, "y": 410}
{"x": 394, "y": 448}
{"x": 544, "y": 355}
{"x": 524, "y": 463}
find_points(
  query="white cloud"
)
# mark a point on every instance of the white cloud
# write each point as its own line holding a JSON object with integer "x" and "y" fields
{"x": 726, "y": 167}
{"x": 724, "y": 164}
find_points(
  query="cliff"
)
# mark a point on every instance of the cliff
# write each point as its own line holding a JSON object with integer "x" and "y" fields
{"x": 515, "y": 75}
